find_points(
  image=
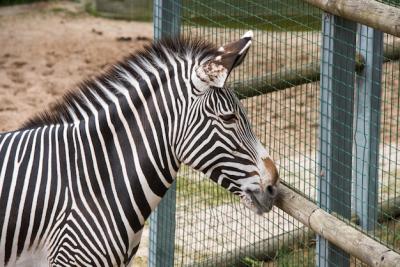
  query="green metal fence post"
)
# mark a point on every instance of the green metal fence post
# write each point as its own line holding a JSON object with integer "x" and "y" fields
{"x": 166, "y": 18}
{"x": 367, "y": 126}
{"x": 336, "y": 130}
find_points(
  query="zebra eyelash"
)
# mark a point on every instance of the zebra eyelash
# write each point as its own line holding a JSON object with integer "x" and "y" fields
{"x": 229, "y": 118}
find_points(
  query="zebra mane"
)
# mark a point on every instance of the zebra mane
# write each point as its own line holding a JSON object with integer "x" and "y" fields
{"x": 183, "y": 47}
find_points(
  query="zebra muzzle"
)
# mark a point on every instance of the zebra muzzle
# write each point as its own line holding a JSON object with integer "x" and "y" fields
{"x": 272, "y": 171}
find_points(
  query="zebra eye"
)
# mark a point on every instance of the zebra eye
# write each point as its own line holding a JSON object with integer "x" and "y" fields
{"x": 229, "y": 118}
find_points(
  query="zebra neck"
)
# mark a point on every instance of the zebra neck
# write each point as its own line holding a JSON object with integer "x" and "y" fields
{"x": 108, "y": 164}
{"x": 138, "y": 127}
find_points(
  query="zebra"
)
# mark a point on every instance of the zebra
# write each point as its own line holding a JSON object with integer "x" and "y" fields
{"x": 77, "y": 182}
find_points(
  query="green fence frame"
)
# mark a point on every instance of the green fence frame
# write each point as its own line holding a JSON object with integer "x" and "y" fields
{"x": 349, "y": 147}
{"x": 336, "y": 130}
{"x": 166, "y": 21}
{"x": 366, "y": 135}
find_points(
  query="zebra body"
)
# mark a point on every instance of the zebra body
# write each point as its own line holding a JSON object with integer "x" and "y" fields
{"x": 78, "y": 183}
{"x": 66, "y": 192}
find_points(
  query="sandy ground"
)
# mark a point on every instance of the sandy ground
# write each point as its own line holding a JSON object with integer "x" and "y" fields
{"x": 47, "y": 48}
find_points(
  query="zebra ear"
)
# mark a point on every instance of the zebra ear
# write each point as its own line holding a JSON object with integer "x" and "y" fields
{"x": 214, "y": 72}
{"x": 234, "y": 53}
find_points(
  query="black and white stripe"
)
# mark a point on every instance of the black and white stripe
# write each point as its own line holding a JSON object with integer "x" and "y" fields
{"x": 78, "y": 182}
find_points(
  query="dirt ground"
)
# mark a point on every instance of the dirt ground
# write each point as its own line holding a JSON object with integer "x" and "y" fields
{"x": 47, "y": 48}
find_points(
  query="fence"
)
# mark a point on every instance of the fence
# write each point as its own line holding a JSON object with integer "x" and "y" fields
{"x": 16, "y": 2}
{"x": 122, "y": 9}
{"x": 323, "y": 95}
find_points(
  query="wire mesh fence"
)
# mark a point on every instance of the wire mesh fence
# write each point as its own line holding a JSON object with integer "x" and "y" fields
{"x": 16, "y": 2}
{"x": 280, "y": 87}
{"x": 390, "y": 2}
{"x": 122, "y": 9}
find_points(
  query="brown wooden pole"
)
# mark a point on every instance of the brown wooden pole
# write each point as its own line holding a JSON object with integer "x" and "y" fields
{"x": 334, "y": 230}
{"x": 368, "y": 12}
{"x": 268, "y": 248}
{"x": 286, "y": 78}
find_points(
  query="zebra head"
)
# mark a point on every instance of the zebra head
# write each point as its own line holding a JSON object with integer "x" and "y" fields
{"x": 222, "y": 144}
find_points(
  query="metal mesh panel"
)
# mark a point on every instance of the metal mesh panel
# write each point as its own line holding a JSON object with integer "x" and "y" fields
{"x": 16, "y": 2}
{"x": 390, "y": 2}
{"x": 121, "y": 9}
{"x": 389, "y": 149}
{"x": 280, "y": 89}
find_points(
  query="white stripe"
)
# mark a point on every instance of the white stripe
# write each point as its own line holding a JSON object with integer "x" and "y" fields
{"x": 146, "y": 78}
{"x": 48, "y": 184}
{"x": 100, "y": 181}
{"x": 180, "y": 94}
{"x": 245, "y": 47}
{"x": 38, "y": 181}
{"x": 130, "y": 231}
{"x": 77, "y": 141}
{"x": 93, "y": 195}
{"x": 5, "y": 137}
{"x": 58, "y": 190}
{"x": 56, "y": 231}
{"x": 11, "y": 190}
{"x": 151, "y": 198}
{"x": 24, "y": 190}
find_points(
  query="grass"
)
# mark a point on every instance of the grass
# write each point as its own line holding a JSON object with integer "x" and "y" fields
{"x": 286, "y": 258}
{"x": 387, "y": 233}
{"x": 58, "y": 10}
{"x": 286, "y": 15}
{"x": 390, "y": 187}
{"x": 296, "y": 257}
{"x": 273, "y": 15}
{"x": 65, "y": 12}
{"x": 17, "y": 2}
{"x": 261, "y": 22}
{"x": 247, "y": 261}
{"x": 146, "y": 15}
{"x": 203, "y": 191}
{"x": 89, "y": 8}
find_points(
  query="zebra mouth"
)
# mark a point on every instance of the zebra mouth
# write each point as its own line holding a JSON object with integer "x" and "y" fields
{"x": 258, "y": 202}
{"x": 262, "y": 206}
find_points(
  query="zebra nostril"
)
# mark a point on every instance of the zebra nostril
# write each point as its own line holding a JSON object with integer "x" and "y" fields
{"x": 252, "y": 191}
{"x": 272, "y": 190}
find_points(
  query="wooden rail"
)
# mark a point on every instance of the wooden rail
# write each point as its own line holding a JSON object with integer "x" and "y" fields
{"x": 268, "y": 248}
{"x": 334, "y": 230}
{"x": 286, "y": 78}
{"x": 372, "y": 13}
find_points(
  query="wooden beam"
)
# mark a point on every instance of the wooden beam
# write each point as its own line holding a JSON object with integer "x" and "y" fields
{"x": 286, "y": 78}
{"x": 337, "y": 231}
{"x": 265, "y": 249}
{"x": 268, "y": 248}
{"x": 368, "y": 12}
{"x": 282, "y": 79}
